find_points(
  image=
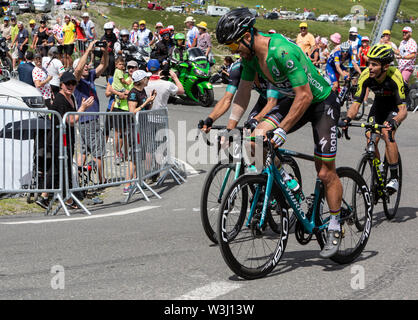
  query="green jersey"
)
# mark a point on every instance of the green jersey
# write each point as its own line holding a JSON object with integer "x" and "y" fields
{"x": 289, "y": 67}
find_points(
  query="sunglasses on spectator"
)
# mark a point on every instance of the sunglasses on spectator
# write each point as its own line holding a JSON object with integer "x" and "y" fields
{"x": 303, "y": 28}
{"x": 132, "y": 67}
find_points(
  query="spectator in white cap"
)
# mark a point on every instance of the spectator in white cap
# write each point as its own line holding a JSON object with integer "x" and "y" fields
{"x": 88, "y": 27}
{"x": 406, "y": 54}
{"x": 158, "y": 27}
{"x": 364, "y": 49}
{"x": 272, "y": 31}
{"x": 355, "y": 40}
{"x": 137, "y": 101}
{"x": 171, "y": 28}
{"x": 192, "y": 34}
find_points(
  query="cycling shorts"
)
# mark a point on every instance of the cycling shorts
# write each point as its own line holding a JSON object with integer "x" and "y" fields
{"x": 382, "y": 111}
{"x": 323, "y": 116}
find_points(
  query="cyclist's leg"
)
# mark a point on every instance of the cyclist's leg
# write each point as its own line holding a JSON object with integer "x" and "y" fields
{"x": 332, "y": 74}
{"x": 391, "y": 151}
{"x": 373, "y": 118}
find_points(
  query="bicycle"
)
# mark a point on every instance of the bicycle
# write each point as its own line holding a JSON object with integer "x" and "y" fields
{"x": 250, "y": 223}
{"x": 220, "y": 177}
{"x": 377, "y": 178}
{"x": 345, "y": 97}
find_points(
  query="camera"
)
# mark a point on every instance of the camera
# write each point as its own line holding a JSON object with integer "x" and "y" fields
{"x": 101, "y": 44}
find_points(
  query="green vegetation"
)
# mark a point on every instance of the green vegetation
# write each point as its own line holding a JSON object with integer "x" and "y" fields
{"x": 17, "y": 205}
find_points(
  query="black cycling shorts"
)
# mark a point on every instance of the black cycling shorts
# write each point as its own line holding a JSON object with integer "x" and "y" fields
{"x": 383, "y": 109}
{"x": 324, "y": 118}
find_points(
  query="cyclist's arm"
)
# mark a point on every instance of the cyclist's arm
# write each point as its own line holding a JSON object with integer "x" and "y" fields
{"x": 402, "y": 114}
{"x": 359, "y": 95}
{"x": 339, "y": 69}
{"x": 222, "y": 106}
{"x": 299, "y": 106}
{"x": 356, "y": 67}
{"x": 240, "y": 104}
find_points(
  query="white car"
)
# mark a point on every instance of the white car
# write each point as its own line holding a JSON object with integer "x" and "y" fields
{"x": 177, "y": 9}
{"x": 299, "y": 16}
{"x": 333, "y": 18}
{"x": 348, "y": 17}
{"x": 323, "y": 17}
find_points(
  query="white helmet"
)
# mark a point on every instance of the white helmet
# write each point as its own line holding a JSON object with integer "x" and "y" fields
{"x": 108, "y": 26}
{"x": 124, "y": 32}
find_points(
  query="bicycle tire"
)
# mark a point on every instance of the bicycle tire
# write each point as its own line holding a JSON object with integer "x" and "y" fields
{"x": 239, "y": 235}
{"x": 370, "y": 180}
{"x": 344, "y": 256}
{"x": 205, "y": 216}
{"x": 391, "y": 213}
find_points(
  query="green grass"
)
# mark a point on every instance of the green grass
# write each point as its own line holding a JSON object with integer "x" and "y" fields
{"x": 14, "y": 206}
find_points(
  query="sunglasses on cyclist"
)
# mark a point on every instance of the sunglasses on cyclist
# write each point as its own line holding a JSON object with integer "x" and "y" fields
{"x": 234, "y": 45}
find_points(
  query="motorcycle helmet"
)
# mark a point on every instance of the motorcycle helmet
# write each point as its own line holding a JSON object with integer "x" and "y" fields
{"x": 108, "y": 26}
{"x": 179, "y": 37}
{"x": 124, "y": 32}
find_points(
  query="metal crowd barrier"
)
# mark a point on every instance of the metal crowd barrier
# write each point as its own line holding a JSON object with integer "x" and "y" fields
{"x": 155, "y": 147}
{"x": 30, "y": 153}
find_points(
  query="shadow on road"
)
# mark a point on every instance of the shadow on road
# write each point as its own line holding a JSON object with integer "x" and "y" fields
{"x": 404, "y": 214}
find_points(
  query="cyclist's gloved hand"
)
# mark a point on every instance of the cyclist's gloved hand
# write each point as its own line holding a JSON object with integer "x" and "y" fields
{"x": 393, "y": 124}
{"x": 251, "y": 124}
{"x": 346, "y": 120}
{"x": 279, "y": 137}
{"x": 207, "y": 124}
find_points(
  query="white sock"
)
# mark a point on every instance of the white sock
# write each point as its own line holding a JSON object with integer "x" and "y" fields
{"x": 334, "y": 223}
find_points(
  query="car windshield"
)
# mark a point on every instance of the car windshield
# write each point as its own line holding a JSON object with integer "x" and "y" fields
{"x": 40, "y": 1}
{"x": 195, "y": 54}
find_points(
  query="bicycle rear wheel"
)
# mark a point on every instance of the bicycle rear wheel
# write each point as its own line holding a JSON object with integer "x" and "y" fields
{"x": 251, "y": 251}
{"x": 216, "y": 184}
{"x": 356, "y": 202}
{"x": 366, "y": 170}
{"x": 392, "y": 199}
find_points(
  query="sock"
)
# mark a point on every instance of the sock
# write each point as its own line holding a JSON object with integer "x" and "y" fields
{"x": 393, "y": 171}
{"x": 334, "y": 223}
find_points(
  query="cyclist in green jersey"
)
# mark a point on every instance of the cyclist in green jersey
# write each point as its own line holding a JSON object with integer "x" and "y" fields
{"x": 389, "y": 106}
{"x": 309, "y": 99}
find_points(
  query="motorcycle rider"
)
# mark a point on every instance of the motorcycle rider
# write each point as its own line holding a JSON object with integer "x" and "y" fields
{"x": 178, "y": 53}
{"x": 122, "y": 43}
{"x": 162, "y": 48}
{"x": 111, "y": 39}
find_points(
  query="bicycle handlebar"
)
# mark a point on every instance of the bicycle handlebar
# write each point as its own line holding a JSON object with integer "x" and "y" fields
{"x": 373, "y": 126}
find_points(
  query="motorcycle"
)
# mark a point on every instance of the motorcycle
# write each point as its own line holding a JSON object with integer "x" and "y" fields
{"x": 4, "y": 57}
{"x": 139, "y": 54}
{"x": 194, "y": 75}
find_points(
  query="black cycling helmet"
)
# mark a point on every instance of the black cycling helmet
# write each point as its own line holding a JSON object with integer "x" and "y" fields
{"x": 382, "y": 53}
{"x": 232, "y": 25}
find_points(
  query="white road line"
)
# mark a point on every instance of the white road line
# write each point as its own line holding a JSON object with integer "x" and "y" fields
{"x": 96, "y": 216}
{"x": 210, "y": 291}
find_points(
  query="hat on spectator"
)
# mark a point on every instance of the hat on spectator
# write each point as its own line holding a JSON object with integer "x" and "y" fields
{"x": 189, "y": 19}
{"x": 386, "y": 32}
{"x": 170, "y": 27}
{"x": 138, "y": 75}
{"x": 52, "y": 51}
{"x": 142, "y": 22}
{"x": 20, "y": 23}
{"x": 324, "y": 41}
{"x": 303, "y": 25}
{"x": 67, "y": 76}
{"x": 159, "y": 24}
{"x": 67, "y": 16}
{"x": 37, "y": 56}
{"x": 153, "y": 65}
{"x": 132, "y": 63}
{"x": 407, "y": 29}
{"x": 365, "y": 39}
{"x": 85, "y": 15}
{"x": 272, "y": 31}
{"x": 336, "y": 38}
{"x": 29, "y": 55}
{"x": 32, "y": 21}
{"x": 202, "y": 25}
{"x": 353, "y": 30}
{"x": 6, "y": 18}
{"x": 164, "y": 31}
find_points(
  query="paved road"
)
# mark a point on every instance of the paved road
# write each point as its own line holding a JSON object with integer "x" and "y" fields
{"x": 157, "y": 250}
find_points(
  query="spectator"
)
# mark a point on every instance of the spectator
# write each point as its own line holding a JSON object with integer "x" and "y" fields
{"x": 14, "y": 31}
{"x": 21, "y": 40}
{"x": 122, "y": 43}
{"x": 89, "y": 28}
{"x": 272, "y": 31}
{"x": 59, "y": 37}
{"x": 80, "y": 36}
{"x": 6, "y": 30}
{"x": 406, "y": 54}
{"x": 134, "y": 34}
{"x": 68, "y": 30}
{"x": 335, "y": 40}
{"x": 41, "y": 80}
{"x": 193, "y": 32}
{"x": 115, "y": 30}
{"x": 355, "y": 41}
{"x": 163, "y": 47}
{"x": 305, "y": 40}
{"x": 364, "y": 49}
{"x": 323, "y": 52}
{"x": 64, "y": 102}
{"x": 90, "y": 132}
{"x": 314, "y": 53}
{"x": 178, "y": 53}
{"x": 33, "y": 30}
{"x": 25, "y": 69}
{"x": 40, "y": 41}
{"x": 171, "y": 28}
{"x": 51, "y": 40}
{"x": 53, "y": 65}
{"x": 158, "y": 27}
{"x": 144, "y": 35}
{"x": 204, "y": 42}
{"x": 386, "y": 39}
{"x": 163, "y": 88}
{"x": 138, "y": 100}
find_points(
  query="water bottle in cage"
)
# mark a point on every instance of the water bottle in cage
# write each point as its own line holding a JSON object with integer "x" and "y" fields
{"x": 292, "y": 184}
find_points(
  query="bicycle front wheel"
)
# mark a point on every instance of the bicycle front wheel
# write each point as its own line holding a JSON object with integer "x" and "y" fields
{"x": 356, "y": 202}
{"x": 392, "y": 199}
{"x": 250, "y": 248}
{"x": 217, "y": 182}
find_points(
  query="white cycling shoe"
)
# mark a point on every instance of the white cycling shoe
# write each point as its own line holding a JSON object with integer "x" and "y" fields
{"x": 393, "y": 185}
